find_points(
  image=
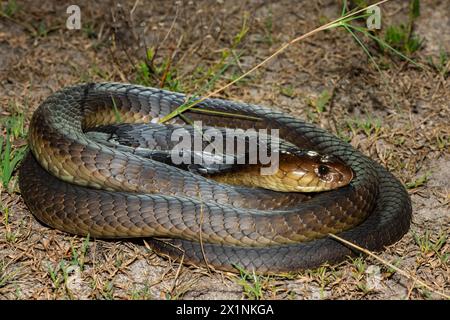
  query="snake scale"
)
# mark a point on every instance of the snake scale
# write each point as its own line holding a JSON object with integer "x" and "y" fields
{"x": 80, "y": 186}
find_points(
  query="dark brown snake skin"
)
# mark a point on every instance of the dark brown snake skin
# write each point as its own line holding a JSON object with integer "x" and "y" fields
{"x": 80, "y": 186}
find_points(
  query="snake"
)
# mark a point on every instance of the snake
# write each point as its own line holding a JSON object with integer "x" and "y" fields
{"x": 76, "y": 184}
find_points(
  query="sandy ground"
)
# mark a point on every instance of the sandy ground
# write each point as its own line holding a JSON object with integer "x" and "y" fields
{"x": 406, "y": 111}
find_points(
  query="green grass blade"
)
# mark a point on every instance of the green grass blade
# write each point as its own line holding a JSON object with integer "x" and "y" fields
{"x": 384, "y": 43}
{"x": 116, "y": 111}
{"x": 225, "y": 114}
{"x": 363, "y": 46}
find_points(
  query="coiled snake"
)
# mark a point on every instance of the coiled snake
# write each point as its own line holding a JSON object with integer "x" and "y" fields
{"x": 78, "y": 185}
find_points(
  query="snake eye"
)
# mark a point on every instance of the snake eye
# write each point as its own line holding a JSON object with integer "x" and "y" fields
{"x": 323, "y": 170}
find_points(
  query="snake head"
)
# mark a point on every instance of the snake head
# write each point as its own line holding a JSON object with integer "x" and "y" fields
{"x": 332, "y": 171}
{"x": 309, "y": 171}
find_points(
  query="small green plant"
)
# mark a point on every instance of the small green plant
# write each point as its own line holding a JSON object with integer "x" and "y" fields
{"x": 10, "y": 235}
{"x": 144, "y": 69}
{"x": 323, "y": 275}
{"x": 399, "y": 38}
{"x": 360, "y": 266}
{"x": 42, "y": 29}
{"x": 359, "y": 274}
{"x": 241, "y": 33}
{"x": 15, "y": 122}
{"x": 402, "y": 37}
{"x": 268, "y": 28}
{"x": 9, "y": 159}
{"x": 420, "y": 181}
{"x": 58, "y": 274}
{"x": 390, "y": 270}
{"x": 79, "y": 256}
{"x": 88, "y": 30}
{"x": 142, "y": 293}
{"x": 149, "y": 73}
{"x": 429, "y": 244}
{"x": 352, "y": 29}
{"x": 287, "y": 91}
{"x": 445, "y": 258}
{"x": 369, "y": 126}
{"x": 108, "y": 291}
{"x": 10, "y": 9}
{"x": 362, "y": 285}
{"x": 321, "y": 101}
{"x": 16, "y": 125}
{"x": 251, "y": 283}
{"x": 10, "y": 156}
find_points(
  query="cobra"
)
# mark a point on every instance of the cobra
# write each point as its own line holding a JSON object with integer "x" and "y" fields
{"x": 76, "y": 184}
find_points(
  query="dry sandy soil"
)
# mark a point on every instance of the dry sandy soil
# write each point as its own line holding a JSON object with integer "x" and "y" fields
{"x": 399, "y": 116}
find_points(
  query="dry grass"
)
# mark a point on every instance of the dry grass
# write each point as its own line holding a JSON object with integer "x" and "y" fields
{"x": 402, "y": 122}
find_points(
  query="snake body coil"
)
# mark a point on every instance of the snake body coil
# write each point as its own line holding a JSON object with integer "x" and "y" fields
{"x": 78, "y": 185}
